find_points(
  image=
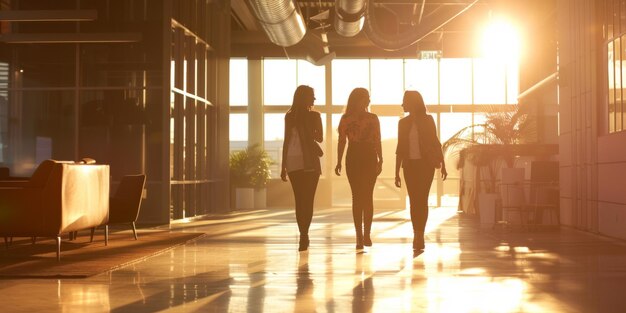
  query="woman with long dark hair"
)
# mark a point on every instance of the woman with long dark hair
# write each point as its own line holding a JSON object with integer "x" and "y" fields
{"x": 418, "y": 153}
{"x": 364, "y": 160}
{"x": 301, "y": 157}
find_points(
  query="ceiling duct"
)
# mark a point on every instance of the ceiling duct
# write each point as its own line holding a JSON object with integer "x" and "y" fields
{"x": 281, "y": 20}
{"x": 415, "y": 33}
{"x": 350, "y": 15}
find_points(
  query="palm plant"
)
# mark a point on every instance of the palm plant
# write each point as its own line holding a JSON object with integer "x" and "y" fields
{"x": 501, "y": 128}
{"x": 486, "y": 143}
{"x": 250, "y": 168}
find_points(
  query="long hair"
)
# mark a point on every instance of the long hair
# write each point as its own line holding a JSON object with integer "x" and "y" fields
{"x": 357, "y": 101}
{"x": 415, "y": 102}
{"x": 299, "y": 106}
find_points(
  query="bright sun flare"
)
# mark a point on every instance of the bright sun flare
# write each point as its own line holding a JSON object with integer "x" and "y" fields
{"x": 501, "y": 41}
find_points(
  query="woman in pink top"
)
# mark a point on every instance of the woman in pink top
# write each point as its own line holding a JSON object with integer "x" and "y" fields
{"x": 364, "y": 160}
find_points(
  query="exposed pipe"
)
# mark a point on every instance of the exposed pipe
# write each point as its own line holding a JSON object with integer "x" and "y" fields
{"x": 281, "y": 20}
{"x": 417, "y": 32}
{"x": 550, "y": 78}
{"x": 350, "y": 15}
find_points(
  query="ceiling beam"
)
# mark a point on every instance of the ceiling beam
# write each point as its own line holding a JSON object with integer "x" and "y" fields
{"x": 243, "y": 15}
{"x": 48, "y": 15}
{"x": 71, "y": 38}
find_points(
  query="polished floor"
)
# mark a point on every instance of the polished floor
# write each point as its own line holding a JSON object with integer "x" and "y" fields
{"x": 248, "y": 262}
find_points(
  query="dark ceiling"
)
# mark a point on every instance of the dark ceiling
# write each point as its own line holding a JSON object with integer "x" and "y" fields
{"x": 534, "y": 18}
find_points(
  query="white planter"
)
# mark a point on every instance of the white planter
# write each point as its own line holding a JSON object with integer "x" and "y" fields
{"x": 244, "y": 198}
{"x": 260, "y": 198}
{"x": 487, "y": 208}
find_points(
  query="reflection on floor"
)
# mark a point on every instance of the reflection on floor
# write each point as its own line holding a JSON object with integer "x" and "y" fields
{"x": 249, "y": 263}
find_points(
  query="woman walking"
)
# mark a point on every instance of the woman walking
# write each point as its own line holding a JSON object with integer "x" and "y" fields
{"x": 364, "y": 160}
{"x": 418, "y": 153}
{"x": 301, "y": 157}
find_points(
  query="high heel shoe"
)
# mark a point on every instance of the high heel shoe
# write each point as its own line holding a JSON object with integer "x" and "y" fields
{"x": 304, "y": 243}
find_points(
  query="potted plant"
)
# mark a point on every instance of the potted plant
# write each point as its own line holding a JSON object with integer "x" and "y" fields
{"x": 487, "y": 147}
{"x": 501, "y": 129}
{"x": 249, "y": 173}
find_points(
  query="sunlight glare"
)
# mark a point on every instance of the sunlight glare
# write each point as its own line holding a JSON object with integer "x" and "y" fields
{"x": 501, "y": 41}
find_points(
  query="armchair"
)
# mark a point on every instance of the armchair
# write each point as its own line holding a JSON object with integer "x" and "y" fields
{"x": 124, "y": 205}
{"x": 60, "y": 197}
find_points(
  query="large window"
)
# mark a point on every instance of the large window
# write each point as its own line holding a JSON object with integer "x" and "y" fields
{"x": 456, "y": 81}
{"x": 281, "y": 77}
{"x": 387, "y": 81}
{"x": 454, "y": 90}
{"x": 347, "y": 75}
{"x": 423, "y": 75}
{"x": 238, "y": 82}
{"x": 489, "y": 82}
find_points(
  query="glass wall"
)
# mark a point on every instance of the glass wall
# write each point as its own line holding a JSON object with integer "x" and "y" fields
{"x": 615, "y": 40}
{"x": 455, "y": 91}
{"x": 72, "y": 100}
{"x": 192, "y": 122}
{"x": 108, "y": 98}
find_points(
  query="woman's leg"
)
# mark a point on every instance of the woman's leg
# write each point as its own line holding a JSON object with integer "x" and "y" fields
{"x": 355, "y": 182}
{"x": 418, "y": 176}
{"x": 310, "y": 186}
{"x": 304, "y": 185}
{"x": 354, "y": 171}
{"x": 361, "y": 171}
{"x": 298, "y": 184}
{"x": 368, "y": 206}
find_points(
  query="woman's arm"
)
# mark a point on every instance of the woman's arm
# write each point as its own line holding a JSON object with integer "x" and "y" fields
{"x": 283, "y": 165}
{"x": 341, "y": 144}
{"x": 444, "y": 172}
{"x": 433, "y": 129}
{"x": 378, "y": 147}
{"x": 318, "y": 134}
{"x": 398, "y": 165}
{"x": 398, "y": 159}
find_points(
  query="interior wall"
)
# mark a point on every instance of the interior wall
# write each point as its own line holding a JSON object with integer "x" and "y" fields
{"x": 577, "y": 144}
{"x": 593, "y": 162}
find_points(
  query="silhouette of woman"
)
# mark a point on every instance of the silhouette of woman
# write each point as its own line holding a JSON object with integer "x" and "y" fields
{"x": 418, "y": 153}
{"x": 364, "y": 160}
{"x": 303, "y": 128}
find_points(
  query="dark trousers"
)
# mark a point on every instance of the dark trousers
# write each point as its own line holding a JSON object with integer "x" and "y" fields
{"x": 304, "y": 184}
{"x": 418, "y": 177}
{"x": 361, "y": 162}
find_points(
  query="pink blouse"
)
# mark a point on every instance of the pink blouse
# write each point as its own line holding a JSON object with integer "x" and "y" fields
{"x": 361, "y": 127}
